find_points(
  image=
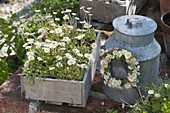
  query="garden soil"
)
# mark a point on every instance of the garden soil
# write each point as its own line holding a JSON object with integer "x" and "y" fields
{"x": 12, "y": 102}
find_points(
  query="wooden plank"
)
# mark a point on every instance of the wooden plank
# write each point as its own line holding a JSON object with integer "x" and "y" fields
{"x": 57, "y": 91}
{"x": 135, "y": 6}
{"x": 96, "y": 54}
{"x": 107, "y": 12}
{"x": 51, "y": 90}
{"x": 101, "y": 11}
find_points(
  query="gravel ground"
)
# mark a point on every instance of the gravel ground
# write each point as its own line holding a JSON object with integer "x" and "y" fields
{"x": 15, "y": 6}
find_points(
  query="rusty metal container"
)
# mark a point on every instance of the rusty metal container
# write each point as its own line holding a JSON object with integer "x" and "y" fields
{"x": 134, "y": 33}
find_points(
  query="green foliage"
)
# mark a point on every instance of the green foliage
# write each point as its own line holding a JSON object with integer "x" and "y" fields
{"x": 112, "y": 111}
{"x": 11, "y": 38}
{"x": 156, "y": 101}
{"x": 15, "y": 33}
{"x": 55, "y": 50}
{"x": 50, "y": 6}
{"x": 9, "y": 32}
{"x": 3, "y": 71}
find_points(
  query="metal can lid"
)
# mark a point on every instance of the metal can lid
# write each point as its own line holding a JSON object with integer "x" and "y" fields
{"x": 134, "y": 25}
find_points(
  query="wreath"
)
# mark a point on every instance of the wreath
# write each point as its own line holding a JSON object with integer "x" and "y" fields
{"x": 133, "y": 68}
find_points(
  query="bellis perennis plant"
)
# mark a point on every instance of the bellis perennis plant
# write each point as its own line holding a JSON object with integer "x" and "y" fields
{"x": 59, "y": 51}
{"x": 157, "y": 100}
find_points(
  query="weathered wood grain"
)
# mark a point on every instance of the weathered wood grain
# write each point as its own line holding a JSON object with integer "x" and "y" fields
{"x": 106, "y": 12}
{"x": 57, "y": 91}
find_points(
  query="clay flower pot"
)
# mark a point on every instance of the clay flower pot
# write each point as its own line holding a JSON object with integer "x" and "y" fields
{"x": 164, "y": 6}
{"x": 165, "y": 24}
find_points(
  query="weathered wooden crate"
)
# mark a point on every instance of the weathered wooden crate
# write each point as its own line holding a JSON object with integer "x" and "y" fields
{"x": 57, "y": 91}
{"x": 107, "y": 10}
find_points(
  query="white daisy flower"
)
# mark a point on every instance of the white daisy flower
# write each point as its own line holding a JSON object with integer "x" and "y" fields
{"x": 77, "y": 18}
{"x": 83, "y": 66}
{"x": 157, "y": 95}
{"x": 62, "y": 44}
{"x": 70, "y": 27}
{"x": 46, "y": 50}
{"x": 80, "y": 55}
{"x": 39, "y": 58}
{"x": 54, "y": 13}
{"x": 104, "y": 63}
{"x": 31, "y": 57}
{"x": 114, "y": 83}
{"x": 66, "y": 39}
{"x": 109, "y": 57}
{"x": 59, "y": 57}
{"x": 88, "y": 55}
{"x": 40, "y": 36}
{"x": 166, "y": 85}
{"x": 94, "y": 45}
{"x": 66, "y": 17}
{"x": 51, "y": 68}
{"x": 80, "y": 36}
{"x": 62, "y": 49}
{"x": 101, "y": 52}
{"x": 59, "y": 64}
{"x": 127, "y": 55}
{"x": 38, "y": 44}
{"x": 128, "y": 85}
{"x": 76, "y": 51}
{"x": 37, "y": 11}
{"x": 52, "y": 31}
{"x": 71, "y": 61}
{"x": 26, "y": 44}
{"x": 68, "y": 11}
{"x": 68, "y": 55}
{"x": 30, "y": 53}
{"x": 82, "y": 22}
{"x": 151, "y": 92}
{"x": 131, "y": 78}
{"x": 57, "y": 19}
{"x": 87, "y": 26}
{"x": 119, "y": 54}
{"x": 58, "y": 30}
{"x": 5, "y": 36}
{"x": 30, "y": 40}
{"x": 26, "y": 64}
{"x": 74, "y": 14}
{"x": 52, "y": 45}
{"x": 102, "y": 71}
{"x": 28, "y": 47}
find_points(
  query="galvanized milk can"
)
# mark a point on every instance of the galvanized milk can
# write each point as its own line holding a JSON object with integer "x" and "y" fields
{"x": 134, "y": 33}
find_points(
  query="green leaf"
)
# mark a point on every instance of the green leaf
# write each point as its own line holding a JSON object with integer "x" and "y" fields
{"x": 2, "y": 44}
{"x": 144, "y": 112}
{"x": 156, "y": 107}
{"x": 13, "y": 18}
{"x": 112, "y": 111}
{"x": 9, "y": 51}
{"x": 3, "y": 71}
{"x": 2, "y": 21}
{"x": 31, "y": 80}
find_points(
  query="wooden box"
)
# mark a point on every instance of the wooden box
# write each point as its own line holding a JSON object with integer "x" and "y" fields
{"x": 107, "y": 10}
{"x": 57, "y": 91}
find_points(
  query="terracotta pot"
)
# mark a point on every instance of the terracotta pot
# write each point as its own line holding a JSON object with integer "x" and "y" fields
{"x": 164, "y": 6}
{"x": 165, "y": 24}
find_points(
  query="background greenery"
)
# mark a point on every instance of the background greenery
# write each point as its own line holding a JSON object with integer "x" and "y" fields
{"x": 11, "y": 31}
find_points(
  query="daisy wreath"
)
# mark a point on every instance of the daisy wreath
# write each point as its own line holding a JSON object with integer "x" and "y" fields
{"x": 133, "y": 68}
